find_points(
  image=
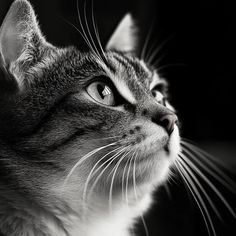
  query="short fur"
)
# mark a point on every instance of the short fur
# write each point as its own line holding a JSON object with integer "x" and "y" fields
{"x": 49, "y": 123}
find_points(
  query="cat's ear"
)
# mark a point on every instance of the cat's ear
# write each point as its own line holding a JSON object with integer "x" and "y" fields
{"x": 124, "y": 37}
{"x": 20, "y": 37}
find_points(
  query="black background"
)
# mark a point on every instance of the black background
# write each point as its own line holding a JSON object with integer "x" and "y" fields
{"x": 199, "y": 63}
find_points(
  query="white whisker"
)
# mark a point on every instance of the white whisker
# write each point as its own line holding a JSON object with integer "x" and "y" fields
{"x": 85, "y": 157}
{"x": 197, "y": 197}
{"x": 146, "y": 42}
{"x": 211, "y": 185}
{"x": 125, "y": 154}
{"x": 110, "y": 160}
{"x": 211, "y": 159}
{"x": 211, "y": 169}
{"x": 127, "y": 179}
{"x": 200, "y": 186}
{"x": 123, "y": 177}
{"x": 159, "y": 68}
{"x": 91, "y": 172}
{"x": 112, "y": 137}
{"x": 157, "y": 50}
{"x": 96, "y": 32}
{"x": 84, "y": 32}
{"x": 88, "y": 30}
{"x": 167, "y": 189}
{"x": 113, "y": 177}
{"x": 136, "y": 195}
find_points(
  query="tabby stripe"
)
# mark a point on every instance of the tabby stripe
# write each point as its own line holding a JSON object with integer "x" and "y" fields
{"x": 48, "y": 114}
{"x": 73, "y": 137}
{"x": 125, "y": 61}
{"x": 109, "y": 66}
{"x": 121, "y": 60}
{"x": 66, "y": 140}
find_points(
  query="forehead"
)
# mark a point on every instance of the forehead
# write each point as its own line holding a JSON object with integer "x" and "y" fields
{"x": 131, "y": 76}
{"x": 128, "y": 69}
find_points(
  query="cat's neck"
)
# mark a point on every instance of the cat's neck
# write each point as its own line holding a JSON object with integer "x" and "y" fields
{"x": 29, "y": 219}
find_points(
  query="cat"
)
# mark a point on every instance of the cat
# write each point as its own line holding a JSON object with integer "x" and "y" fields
{"x": 85, "y": 137}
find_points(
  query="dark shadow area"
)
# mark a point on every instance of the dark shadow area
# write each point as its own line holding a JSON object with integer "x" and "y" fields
{"x": 198, "y": 60}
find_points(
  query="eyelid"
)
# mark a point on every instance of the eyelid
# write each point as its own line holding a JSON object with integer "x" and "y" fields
{"x": 105, "y": 79}
{"x": 98, "y": 78}
{"x": 161, "y": 87}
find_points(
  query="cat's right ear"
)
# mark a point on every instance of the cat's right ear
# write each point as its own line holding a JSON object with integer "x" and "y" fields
{"x": 20, "y": 37}
{"x": 124, "y": 38}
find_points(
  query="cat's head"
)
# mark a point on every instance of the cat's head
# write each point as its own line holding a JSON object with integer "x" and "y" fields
{"x": 72, "y": 122}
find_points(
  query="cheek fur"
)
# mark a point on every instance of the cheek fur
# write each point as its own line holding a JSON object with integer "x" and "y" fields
{"x": 156, "y": 151}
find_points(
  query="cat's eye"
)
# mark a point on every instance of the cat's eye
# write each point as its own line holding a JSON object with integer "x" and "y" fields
{"x": 160, "y": 98}
{"x": 159, "y": 93}
{"x": 101, "y": 92}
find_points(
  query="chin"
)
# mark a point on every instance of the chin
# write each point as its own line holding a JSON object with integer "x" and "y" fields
{"x": 174, "y": 144}
{"x": 156, "y": 167}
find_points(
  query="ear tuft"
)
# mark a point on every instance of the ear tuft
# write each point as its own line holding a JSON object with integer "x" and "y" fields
{"x": 17, "y": 29}
{"x": 20, "y": 37}
{"x": 124, "y": 37}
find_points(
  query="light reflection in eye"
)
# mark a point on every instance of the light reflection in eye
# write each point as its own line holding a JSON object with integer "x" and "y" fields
{"x": 102, "y": 93}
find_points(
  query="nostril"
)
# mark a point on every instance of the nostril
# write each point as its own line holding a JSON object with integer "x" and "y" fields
{"x": 144, "y": 112}
{"x": 155, "y": 120}
{"x": 165, "y": 123}
{"x": 168, "y": 122}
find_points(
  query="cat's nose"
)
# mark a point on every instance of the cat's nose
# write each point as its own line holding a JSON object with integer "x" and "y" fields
{"x": 168, "y": 121}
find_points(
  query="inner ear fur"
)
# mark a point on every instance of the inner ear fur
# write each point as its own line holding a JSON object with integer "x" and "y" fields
{"x": 125, "y": 36}
{"x": 20, "y": 43}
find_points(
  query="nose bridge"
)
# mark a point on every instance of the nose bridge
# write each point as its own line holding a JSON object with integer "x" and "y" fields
{"x": 151, "y": 108}
{"x": 159, "y": 115}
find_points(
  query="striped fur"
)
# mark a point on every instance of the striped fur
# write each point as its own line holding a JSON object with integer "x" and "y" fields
{"x": 49, "y": 123}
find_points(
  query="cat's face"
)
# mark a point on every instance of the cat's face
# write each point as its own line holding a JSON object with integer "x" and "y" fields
{"x": 79, "y": 120}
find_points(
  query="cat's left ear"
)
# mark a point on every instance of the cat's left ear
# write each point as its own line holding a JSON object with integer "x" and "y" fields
{"x": 124, "y": 37}
{"x": 20, "y": 40}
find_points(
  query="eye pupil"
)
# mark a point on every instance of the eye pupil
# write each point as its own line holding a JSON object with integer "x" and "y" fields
{"x": 158, "y": 96}
{"x": 101, "y": 92}
{"x": 101, "y": 89}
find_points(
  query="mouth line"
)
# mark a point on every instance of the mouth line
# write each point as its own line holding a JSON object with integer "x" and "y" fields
{"x": 149, "y": 151}
{"x": 167, "y": 147}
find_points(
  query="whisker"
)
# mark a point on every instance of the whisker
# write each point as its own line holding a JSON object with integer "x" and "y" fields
{"x": 85, "y": 196}
{"x": 91, "y": 172}
{"x": 127, "y": 178}
{"x": 157, "y": 50}
{"x": 157, "y": 63}
{"x": 159, "y": 68}
{"x": 81, "y": 34}
{"x": 136, "y": 196}
{"x": 210, "y": 158}
{"x": 110, "y": 160}
{"x": 85, "y": 157}
{"x": 84, "y": 32}
{"x": 171, "y": 177}
{"x": 97, "y": 32}
{"x": 167, "y": 189}
{"x": 113, "y": 177}
{"x": 197, "y": 197}
{"x": 88, "y": 30}
{"x": 212, "y": 168}
{"x": 200, "y": 186}
{"x": 146, "y": 42}
{"x": 128, "y": 152}
{"x": 112, "y": 137}
{"x": 123, "y": 177}
{"x": 211, "y": 185}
